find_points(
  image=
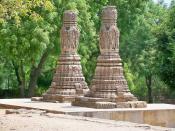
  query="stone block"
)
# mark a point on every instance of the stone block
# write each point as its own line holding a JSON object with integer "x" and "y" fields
{"x": 37, "y": 98}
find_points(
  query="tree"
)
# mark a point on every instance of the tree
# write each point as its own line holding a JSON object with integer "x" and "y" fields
{"x": 142, "y": 47}
{"x": 166, "y": 38}
{"x": 24, "y": 35}
{"x": 30, "y": 34}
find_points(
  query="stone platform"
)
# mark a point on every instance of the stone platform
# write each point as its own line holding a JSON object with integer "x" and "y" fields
{"x": 153, "y": 114}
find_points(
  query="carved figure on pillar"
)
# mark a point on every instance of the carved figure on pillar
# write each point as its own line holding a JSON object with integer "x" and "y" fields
{"x": 109, "y": 87}
{"x": 68, "y": 80}
{"x": 109, "y": 34}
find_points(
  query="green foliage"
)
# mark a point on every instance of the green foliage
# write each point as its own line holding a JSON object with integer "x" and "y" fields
{"x": 40, "y": 90}
{"x": 25, "y": 33}
{"x": 166, "y": 38}
{"x": 141, "y": 50}
{"x": 135, "y": 83}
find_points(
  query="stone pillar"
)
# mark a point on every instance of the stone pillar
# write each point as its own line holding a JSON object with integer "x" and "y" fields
{"x": 68, "y": 80}
{"x": 108, "y": 88}
{"x": 109, "y": 81}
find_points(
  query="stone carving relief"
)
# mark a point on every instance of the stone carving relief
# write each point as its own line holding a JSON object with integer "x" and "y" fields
{"x": 69, "y": 39}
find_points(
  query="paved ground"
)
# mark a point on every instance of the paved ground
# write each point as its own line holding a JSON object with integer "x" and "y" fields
{"x": 32, "y": 120}
{"x": 154, "y": 114}
{"x": 66, "y": 107}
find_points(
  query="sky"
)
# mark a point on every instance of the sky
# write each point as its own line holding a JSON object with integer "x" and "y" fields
{"x": 165, "y": 1}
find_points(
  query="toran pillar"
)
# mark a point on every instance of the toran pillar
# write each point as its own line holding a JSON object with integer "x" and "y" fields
{"x": 68, "y": 80}
{"x": 109, "y": 87}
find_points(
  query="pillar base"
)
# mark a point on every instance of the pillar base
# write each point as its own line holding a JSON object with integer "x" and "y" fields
{"x": 54, "y": 98}
{"x": 58, "y": 98}
{"x": 104, "y": 103}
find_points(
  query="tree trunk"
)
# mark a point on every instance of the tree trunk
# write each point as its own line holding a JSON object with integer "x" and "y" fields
{"x": 35, "y": 73}
{"x": 149, "y": 86}
{"x": 22, "y": 86}
{"x": 8, "y": 83}
{"x": 21, "y": 81}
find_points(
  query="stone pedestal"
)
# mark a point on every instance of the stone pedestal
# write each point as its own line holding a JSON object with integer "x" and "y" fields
{"x": 109, "y": 81}
{"x": 68, "y": 80}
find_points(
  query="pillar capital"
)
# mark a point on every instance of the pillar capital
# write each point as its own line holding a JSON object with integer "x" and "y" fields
{"x": 109, "y": 34}
{"x": 70, "y": 17}
{"x": 109, "y": 14}
{"x": 69, "y": 33}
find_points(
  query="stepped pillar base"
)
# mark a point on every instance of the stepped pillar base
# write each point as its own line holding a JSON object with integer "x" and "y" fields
{"x": 104, "y": 103}
{"x": 58, "y": 98}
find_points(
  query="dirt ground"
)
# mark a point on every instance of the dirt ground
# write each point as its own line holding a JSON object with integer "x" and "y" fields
{"x": 34, "y": 120}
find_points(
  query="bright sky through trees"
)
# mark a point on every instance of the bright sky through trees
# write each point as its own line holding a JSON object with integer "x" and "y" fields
{"x": 165, "y": 1}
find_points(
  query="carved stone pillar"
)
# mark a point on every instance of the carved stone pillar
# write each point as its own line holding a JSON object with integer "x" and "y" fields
{"x": 108, "y": 88}
{"x": 109, "y": 81}
{"x": 68, "y": 80}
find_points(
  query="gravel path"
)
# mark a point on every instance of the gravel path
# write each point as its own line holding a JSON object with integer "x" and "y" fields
{"x": 33, "y": 120}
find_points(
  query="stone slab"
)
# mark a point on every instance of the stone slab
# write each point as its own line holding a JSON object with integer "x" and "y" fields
{"x": 153, "y": 114}
{"x": 58, "y": 98}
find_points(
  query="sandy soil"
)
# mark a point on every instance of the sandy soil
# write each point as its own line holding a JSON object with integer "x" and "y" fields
{"x": 33, "y": 120}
